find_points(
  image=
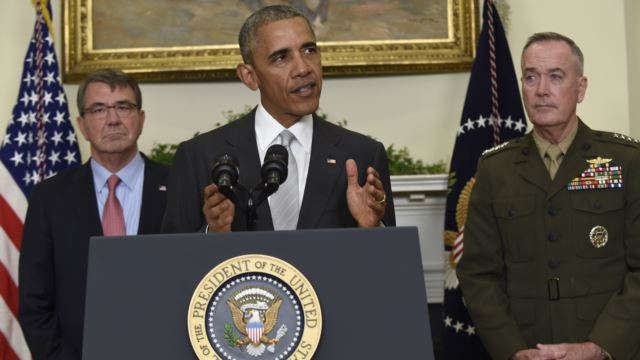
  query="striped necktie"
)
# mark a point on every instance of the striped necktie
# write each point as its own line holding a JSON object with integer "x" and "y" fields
{"x": 284, "y": 202}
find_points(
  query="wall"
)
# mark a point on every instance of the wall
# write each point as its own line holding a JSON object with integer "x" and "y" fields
{"x": 633, "y": 44}
{"x": 420, "y": 111}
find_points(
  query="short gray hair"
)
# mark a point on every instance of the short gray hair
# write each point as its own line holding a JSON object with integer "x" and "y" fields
{"x": 112, "y": 77}
{"x": 553, "y": 36}
{"x": 264, "y": 16}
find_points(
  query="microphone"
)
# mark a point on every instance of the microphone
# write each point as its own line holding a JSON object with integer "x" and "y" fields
{"x": 224, "y": 173}
{"x": 274, "y": 169}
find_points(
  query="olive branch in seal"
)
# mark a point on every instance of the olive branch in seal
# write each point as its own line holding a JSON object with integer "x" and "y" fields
{"x": 230, "y": 336}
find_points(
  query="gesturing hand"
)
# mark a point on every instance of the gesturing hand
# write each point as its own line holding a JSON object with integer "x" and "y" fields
{"x": 366, "y": 203}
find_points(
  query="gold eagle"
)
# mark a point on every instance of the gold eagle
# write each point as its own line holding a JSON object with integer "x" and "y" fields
{"x": 268, "y": 319}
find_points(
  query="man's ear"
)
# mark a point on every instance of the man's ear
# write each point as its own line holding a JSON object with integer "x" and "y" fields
{"x": 247, "y": 75}
{"x": 582, "y": 88}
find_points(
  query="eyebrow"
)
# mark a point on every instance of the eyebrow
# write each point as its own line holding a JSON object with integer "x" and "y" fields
{"x": 309, "y": 44}
{"x": 119, "y": 102}
{"x": 278, "y": 52}
{"x": 284, "y": 51}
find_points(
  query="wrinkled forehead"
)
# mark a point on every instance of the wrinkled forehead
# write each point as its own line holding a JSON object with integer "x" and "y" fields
{"x": 99, "y": 91}
{"x": 548, "y": 55}
{"x": 290, "y": 28}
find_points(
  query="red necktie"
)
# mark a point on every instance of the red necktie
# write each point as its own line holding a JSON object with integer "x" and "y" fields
{"x": 112, "y": 216}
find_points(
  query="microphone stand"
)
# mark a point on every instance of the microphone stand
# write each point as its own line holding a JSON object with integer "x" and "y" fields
{"x": 257, "y": 196}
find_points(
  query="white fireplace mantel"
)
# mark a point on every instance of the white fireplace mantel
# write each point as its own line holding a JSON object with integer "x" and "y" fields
{"x": 420, "y": 201}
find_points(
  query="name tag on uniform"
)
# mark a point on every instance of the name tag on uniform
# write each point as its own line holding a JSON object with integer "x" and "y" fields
{"x": 600, "y": 174}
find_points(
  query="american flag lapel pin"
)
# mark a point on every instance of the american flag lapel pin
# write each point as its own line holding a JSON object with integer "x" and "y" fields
{"x": 162, "y": 188}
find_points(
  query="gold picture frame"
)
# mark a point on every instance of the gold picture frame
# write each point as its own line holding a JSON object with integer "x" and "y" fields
{"x": 455, "y": 52}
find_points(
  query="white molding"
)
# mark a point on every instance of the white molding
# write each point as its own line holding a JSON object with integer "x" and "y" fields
{"x": 434, "y": 282}
{"x": 421, "y": 183}
{"x": 420, "y": 200}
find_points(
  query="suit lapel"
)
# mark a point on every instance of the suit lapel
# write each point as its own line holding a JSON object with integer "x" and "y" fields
{"x": 153, "y": 199}
{"x": 529, "y": 165}
{"x": 83, "y": 196}
{"x": 326, "y": 166}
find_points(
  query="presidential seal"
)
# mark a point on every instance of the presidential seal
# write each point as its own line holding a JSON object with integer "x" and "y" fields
{"x": 254, "y": 307}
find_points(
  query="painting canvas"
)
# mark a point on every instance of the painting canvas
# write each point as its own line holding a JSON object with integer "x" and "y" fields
{"x": 197, "y": 39}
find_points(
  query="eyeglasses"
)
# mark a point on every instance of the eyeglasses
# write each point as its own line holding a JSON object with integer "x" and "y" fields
{"x": 123, "y": 109}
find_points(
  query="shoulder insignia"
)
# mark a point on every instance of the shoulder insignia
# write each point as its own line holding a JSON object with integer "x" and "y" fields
{"x": 625, "y": 137}
{"x": 495, "y": 148}
{"x": 618, "y": 138}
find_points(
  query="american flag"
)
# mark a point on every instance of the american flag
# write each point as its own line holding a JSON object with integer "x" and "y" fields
{"x": 492, "y": 114}
{"x": 39, "y": 142}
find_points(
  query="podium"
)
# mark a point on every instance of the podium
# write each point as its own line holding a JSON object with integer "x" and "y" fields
{"x": 369, "y": 283}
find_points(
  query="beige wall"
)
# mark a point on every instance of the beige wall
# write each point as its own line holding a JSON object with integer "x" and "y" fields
{"x": 633, "y": 45}
{"x": 420, "y": 111}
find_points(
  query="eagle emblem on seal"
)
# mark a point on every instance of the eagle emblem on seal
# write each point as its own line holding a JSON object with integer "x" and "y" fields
{"x": 255, "y": 313}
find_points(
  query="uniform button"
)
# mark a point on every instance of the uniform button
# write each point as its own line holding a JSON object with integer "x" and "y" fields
{"x": 597, "y": 205}
{"x": 552, "y": 211}
{"x": 586, "y": 147}
{"x": 512, "y": 212}
{"x": 553, "y": 264}
{"x": 553, "y": 237}
{"x": 525, "y": 151}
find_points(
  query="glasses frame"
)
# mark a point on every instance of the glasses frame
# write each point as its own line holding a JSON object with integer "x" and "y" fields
{"x": 119, "y": 107}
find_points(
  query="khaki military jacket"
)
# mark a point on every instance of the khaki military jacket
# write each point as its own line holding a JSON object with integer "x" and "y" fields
{"x": 547, "y": 262}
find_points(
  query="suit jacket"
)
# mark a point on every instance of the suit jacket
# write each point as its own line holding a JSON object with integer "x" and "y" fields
{"x": 533, "y": 271}
{"x": 62, "y": 215}
{"x": 324, "y": 203}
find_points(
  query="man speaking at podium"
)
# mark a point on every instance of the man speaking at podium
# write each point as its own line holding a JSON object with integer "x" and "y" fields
{"x": 326, "y": 163}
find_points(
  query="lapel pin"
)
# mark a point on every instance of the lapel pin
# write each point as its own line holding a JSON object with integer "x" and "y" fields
{"x": 331, "y": 161}
{"x": 162, "y": 188}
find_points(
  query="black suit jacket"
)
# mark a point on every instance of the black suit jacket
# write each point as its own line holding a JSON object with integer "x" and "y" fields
{"x": 62, "y": 215}
{"x": 324, "y": 203}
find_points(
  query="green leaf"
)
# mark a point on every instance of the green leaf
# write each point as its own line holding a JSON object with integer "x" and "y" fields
{"x": 229, "y": 336}
{"x": 401, "y": 163}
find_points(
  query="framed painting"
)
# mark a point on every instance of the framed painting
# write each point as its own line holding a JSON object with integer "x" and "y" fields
{"x": 190, "y": 40}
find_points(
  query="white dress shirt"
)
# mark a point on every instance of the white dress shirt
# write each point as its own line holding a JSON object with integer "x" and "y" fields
{"x": 128, "y": 191}
{"x": 267, "y": 130}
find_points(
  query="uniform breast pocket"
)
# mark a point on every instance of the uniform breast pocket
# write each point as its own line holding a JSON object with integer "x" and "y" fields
{"x": 598, "y": 223}
{"x": 516, "y": 223}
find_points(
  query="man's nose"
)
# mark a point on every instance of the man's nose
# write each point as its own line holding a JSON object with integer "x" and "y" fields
{"x": 301, "y": 66}
{"x": 112, "y": 116}
{"x": 542, "y": 87}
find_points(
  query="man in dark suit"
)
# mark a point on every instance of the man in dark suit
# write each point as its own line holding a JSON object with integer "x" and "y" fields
{"x": 118, "y": 192}
{"x": 551, "y": 264}
{"x": 323, "y": 189}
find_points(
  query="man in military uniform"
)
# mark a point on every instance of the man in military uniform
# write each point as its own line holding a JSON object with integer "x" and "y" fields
{"x": 551, "y": 265}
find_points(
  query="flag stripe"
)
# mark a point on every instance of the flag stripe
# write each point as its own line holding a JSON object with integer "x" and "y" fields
{"x": 8, "y": 290}
{"x": 9, "y": 256}
{"x": 11, "y": 334}
{"x": 10, "y": 223}
{"x": 11, "y": 193}
{"x": 6, "y": 352}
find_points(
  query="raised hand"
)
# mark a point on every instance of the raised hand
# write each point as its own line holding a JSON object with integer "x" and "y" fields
{"x": 366, "y": 203}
